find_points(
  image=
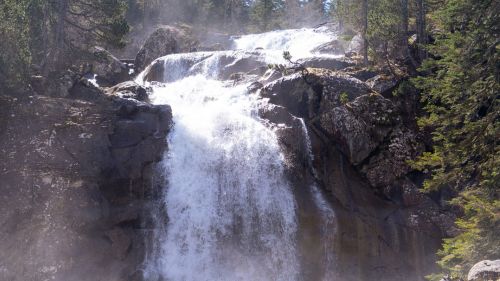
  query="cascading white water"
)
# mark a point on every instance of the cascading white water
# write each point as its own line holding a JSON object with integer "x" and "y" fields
{"x": 326, "y": 211}
{"x": 299, "y": 42}
{"x": 232, "y": 214}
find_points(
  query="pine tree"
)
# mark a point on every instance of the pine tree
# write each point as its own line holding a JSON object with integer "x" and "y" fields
{"x": 461, "y": 95}
{"x": 15, "y": 56}
{"x": 266, "y": 14}
{"x": 77, "y": 25}
{"x": 53, "y": 34}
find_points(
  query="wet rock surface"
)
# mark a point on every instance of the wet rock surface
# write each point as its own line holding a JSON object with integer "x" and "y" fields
{"x": 77, "y": 177}
{"x": 224, "y": 65}
{"x": 386, "y": 228}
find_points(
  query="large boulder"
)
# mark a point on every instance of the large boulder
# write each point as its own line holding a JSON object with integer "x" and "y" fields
{"x": 130, "y": 90}
{"x": 320, "y": 90}
{"x": 108, "y": 69}
{"x": 391, "y": 160}
{"x": 335, "y": 47}
{"x": 164, "y": 41}
{"x": 360, "y": 126}
{"x": 485, "y": 271}
{"x": 383, "y": 84}
{"x": 355, "y": 46}
{"x": 221, "y": 65}
{"x": 57, "y": 84}
{"x": 358, "y": 153}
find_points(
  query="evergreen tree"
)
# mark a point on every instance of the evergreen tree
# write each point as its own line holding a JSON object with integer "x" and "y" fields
{"x": 15, "y": 56}
{"x": 461, "y": 94}
{"x": 53, "y": 34}
{"x": 266, "y": 14}
{"x": 77, "y": 25}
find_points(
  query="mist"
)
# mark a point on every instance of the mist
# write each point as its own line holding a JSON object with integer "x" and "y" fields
{"x": 220, "y": 17}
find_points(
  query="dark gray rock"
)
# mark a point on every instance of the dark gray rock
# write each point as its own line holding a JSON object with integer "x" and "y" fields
{"x": 108, "y": 69}
{"x": 65, "y": 188}
{"x": 318, "y": 91}
{"x": 335, "y": 47}
{"x": 164, "y": 41}
{"x": 131, "y": 90}
{"x": 362, "y": 74}
{"x": 391, "y": 161}
{"x": 360, "y": 147}
{"x": 57, "y": 84}
{"x": 382, "y": 84}
{"x": 355, "y": 45}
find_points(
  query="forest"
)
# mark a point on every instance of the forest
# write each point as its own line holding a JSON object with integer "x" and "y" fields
{"x": 447, "y": 51}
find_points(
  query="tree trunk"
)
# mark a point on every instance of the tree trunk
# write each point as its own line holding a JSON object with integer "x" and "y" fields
{"x": 404, "y": 28}
{"x": 56, "y": 55}
{"x": 339, "y": 12}
{"x": 364, "y": 16}
{"x": 421, "y": 29}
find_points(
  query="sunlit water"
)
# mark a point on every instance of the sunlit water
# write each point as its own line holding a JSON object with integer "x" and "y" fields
{"x": 231, "y": 212}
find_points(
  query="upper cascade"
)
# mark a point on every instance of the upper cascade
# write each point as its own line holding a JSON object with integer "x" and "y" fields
{"x": 299, "y": 42}
{"x": 249, "y": 54}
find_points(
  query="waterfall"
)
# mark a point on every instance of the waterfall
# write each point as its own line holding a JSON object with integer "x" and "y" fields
{"x": 231, "y": 211}
{"x": 325, "y": 210}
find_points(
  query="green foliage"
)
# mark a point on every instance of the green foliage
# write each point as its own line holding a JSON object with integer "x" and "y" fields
{"x": 15, "y": 56}
{"x": 479, "y": 238}
{"x": 403, "y": 88}
{"x": 384, "y": 24}
{"x": 48, "y": 36}
{"x": 266, "y": 14}
{"x": 292, "y": 66}
{"x": 343, "y": 98}
{"x": 461, "y": 95}
{"x": 346, "y": 37}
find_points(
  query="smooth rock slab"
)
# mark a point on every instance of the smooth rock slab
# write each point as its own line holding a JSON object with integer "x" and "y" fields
{"x": 485, "y": 271}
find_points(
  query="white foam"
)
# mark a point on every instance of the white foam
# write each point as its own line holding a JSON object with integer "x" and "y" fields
{"x": 232, "y": 215}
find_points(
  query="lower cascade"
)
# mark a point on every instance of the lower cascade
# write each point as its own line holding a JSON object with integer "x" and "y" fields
{"x": 231, "y": 210}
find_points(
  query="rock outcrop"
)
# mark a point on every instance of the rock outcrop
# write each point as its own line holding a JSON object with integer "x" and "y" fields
{"x": 164, "y": 41}
{"x": 130, "y": 90}
{"x": 77, "y": 177}
{"x": 222, "y": 65}
{"x": 108, "y": 69}
{"x": 335, "y": 47}
{"x": 326, "y": 63}
{"x": 485, "y": 271}
{"x": 385, "y": 227}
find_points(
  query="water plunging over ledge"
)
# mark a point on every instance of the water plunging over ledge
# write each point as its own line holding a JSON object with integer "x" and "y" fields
{"x": 232, "y": 212}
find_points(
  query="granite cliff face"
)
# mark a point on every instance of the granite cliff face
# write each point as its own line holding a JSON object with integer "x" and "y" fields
{"x": 385, "y": 228}
{"x": 77, "y": 178}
